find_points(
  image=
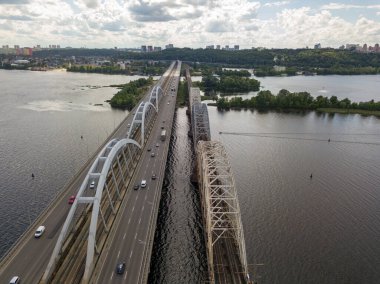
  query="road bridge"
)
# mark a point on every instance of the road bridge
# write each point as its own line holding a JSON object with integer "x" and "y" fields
{"x": 226, "y": 254}
{"x": 80, "y": 239}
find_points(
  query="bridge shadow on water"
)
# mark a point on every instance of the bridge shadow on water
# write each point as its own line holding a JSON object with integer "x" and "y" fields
{"x": 179, "y": 252}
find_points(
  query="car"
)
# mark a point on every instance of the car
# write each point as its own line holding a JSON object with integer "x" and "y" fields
{"x": 15, "y": 280}
{"x": 154, "y": 176}
{"x": 71, "y": 199}
{"x": 40, "y": 230}
{"x": 136, "y": 187}
{"x": 149, "y": 149}
{"x": 120, "y": 268}
{"x": 168, "y": 103}
{"x": 92, "y": 184}
{"x": 152, "y": 154}
{"x": 143, "y": 183}
{"x": 157, "y": 145}
{"x": 128, "y": 125}
{"x": 162, "y": 127}
{"x": 163, "y": 121}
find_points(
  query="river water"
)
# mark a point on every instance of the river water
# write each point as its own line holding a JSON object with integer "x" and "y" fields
{"x": 298, "y": 230}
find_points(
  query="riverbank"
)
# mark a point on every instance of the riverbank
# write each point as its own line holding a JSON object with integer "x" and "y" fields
{"x": 349, "y": 111}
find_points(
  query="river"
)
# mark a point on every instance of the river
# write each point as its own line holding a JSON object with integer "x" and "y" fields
{"x": 297, "y": 229}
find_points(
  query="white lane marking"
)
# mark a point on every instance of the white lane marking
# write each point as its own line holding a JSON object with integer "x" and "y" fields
{"x": 133, "y": 209}
{"x": 142, "y": 209}
{"x": 111, "y": 276}
{"x": 124, "y": 235}
{"x": 145, "y": 197}
{"x": 135, "y": 236}
{"x": 129, "y": 221}
{"x": 125, "y": 276}
{"x": 136, "y": 197}
{"x": 139, "y": 220}
{"x": 130, "y": 255}
{"x": 118, "y": 254}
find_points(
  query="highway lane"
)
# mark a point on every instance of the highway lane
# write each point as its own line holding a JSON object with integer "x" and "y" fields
{"x": 137, "y": 226}
{"x": 30, "y": 257}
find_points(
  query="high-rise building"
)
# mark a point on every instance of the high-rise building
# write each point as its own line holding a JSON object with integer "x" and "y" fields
{"x": 218, "y": 46}
{"x": 150, "y": 48}
{"x": 376, "y": 48}
{"x": 143, "y": 48}
{"x": 317, "y": 46}
{"x": 169, "y": 46}
{"x": 236, "y": 47}
{"x": 209, "y": 46}
{"x": 157, "y": 48}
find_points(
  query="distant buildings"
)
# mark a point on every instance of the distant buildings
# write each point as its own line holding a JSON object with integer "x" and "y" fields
{"x": 317, "y": 46}
{"x": 150, "y": 48}
{"x": 169, "y": 46}
{"x": 227, "y": 47}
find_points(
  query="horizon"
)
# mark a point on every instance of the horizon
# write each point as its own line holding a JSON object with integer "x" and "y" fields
{"x": 270, "y": 24}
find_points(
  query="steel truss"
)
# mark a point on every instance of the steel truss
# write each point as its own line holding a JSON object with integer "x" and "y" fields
{"x": 219, "y": 202}
{"x": 194, "y": 97}
{"x": 200, "y": 123}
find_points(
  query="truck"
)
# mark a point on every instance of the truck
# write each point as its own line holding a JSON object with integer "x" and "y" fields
{"x": 163, "y": 135}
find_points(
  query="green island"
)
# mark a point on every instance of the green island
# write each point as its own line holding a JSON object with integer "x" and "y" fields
{"x": 130, "y": 93}
{"x": 228, "y": 81}
{"x": 286, "y": 100}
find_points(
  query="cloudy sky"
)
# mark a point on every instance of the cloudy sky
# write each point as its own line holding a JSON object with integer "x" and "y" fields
{"x": 189, "y": 23}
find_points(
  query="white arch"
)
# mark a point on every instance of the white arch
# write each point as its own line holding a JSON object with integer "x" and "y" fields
{"x": 108, "y": 153}
{"x": 155, "y": 93}
{"x": 140, "y": 120}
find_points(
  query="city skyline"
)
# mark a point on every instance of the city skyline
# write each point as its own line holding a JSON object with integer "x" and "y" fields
{"x": 193, "y": 23}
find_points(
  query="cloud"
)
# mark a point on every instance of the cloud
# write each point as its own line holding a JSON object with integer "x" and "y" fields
{"x": 150, "y": 12}
{"x": 16, "y": 18}
{"x": 339, "y": 6}
{"x": 276, "y": 4}
{"x": 219, "y": 26}
{"x": 14, "y": 2}
{"x": 88, "y": 3}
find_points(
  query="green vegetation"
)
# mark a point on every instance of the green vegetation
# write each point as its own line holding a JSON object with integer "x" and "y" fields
{"x": 350, "y": 111}
{"x": 131, "y": 93}
{"x": 320, "y": 61}
{"x": 182, "y": 95}
{"x": 228, "y": 84}
{"x": 234, "y": 73}
{"x": 286, "y": 100}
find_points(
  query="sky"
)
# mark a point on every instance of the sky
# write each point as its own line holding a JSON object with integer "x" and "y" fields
{"x": 188, "y": 23}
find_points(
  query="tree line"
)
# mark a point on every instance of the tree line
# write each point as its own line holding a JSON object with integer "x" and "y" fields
{"x": 130, "y": 94}
{"x": 297, "y": 101}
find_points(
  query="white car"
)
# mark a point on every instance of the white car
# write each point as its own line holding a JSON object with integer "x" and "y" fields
{"x": 92, "y": 184}
{"x": 15, "y": 280}
{"x": 143, "y": 183}
{"x": 40, "y": 230}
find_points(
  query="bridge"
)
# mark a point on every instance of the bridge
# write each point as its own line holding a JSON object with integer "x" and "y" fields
{"x": 113, "y": 217}
{"x": 109, "y": 221}
{"x": 226, "y": 254}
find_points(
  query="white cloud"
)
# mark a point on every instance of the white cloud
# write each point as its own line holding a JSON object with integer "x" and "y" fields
{"x": 276, "y": 4}
{"x": 339, "y": 6}
{"x": 194, "y": 23}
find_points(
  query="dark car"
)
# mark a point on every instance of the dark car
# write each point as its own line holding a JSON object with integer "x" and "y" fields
{"x": 154, "y": 176}
{"x": 120, "y": 268}
{"x": 136, "y": 187}
{"x": 149, "y": 149}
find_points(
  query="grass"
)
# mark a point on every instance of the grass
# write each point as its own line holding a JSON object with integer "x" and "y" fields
{"x": 350, "y": 111}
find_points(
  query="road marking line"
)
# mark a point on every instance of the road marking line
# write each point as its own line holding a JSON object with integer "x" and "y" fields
{"x": 142, "y": 209}
{"x": 111, "y": 276}
{"x": 135, "y": 236}
{"x": 118, "y": 254}
{"x": 130, "y": 255}
{"x": 139, "y": 220}
{"x": 133, "y": 209}
{"x": 129, "y": 221}
{"x": 124, "y": 235}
